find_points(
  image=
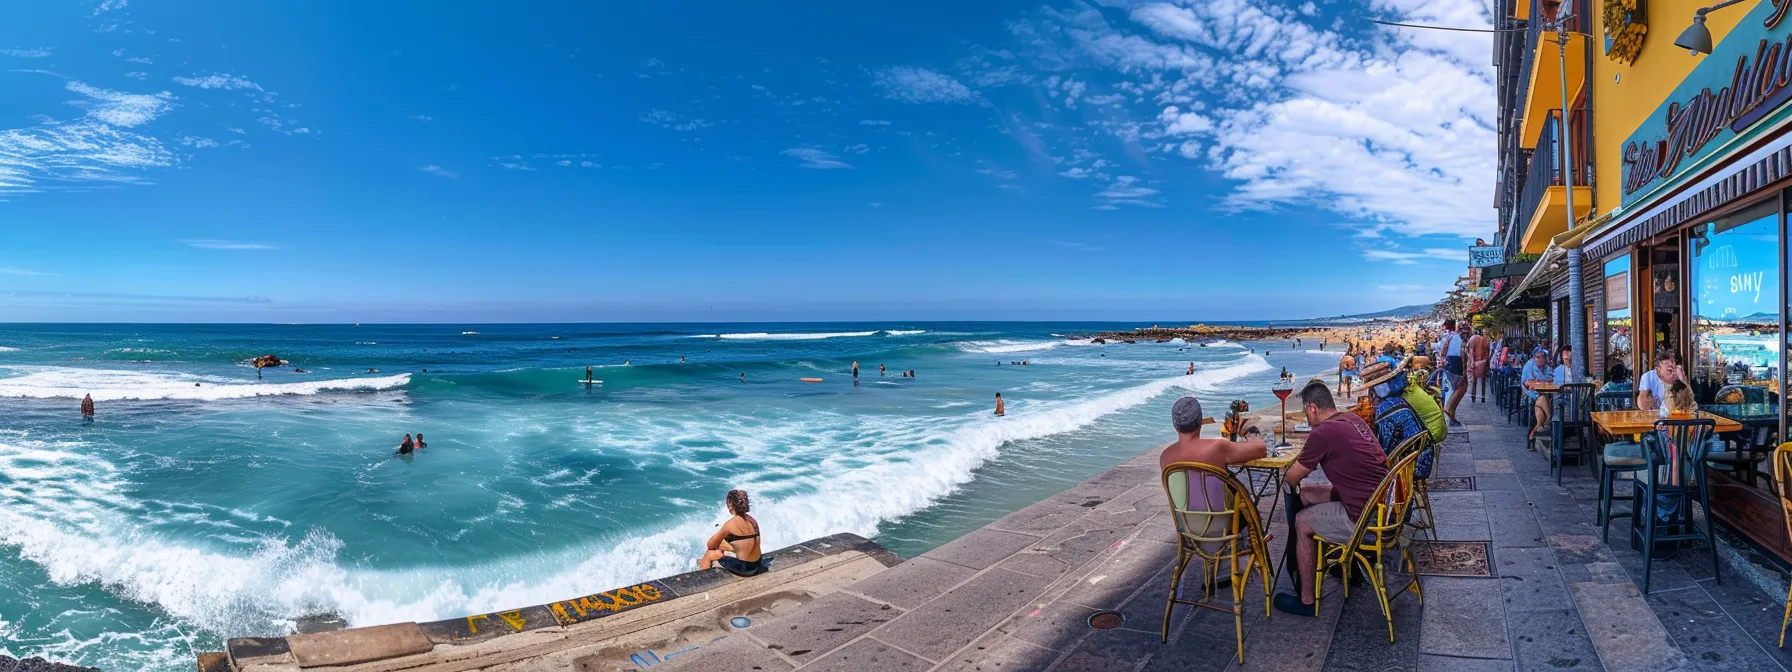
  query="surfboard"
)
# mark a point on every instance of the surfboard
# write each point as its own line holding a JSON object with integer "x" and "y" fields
{"x": 591, "y": 382}
{"x": 811, "y": 380}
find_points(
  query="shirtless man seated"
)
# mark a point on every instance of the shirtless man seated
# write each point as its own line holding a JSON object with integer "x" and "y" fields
{"x": 1187, "y": 418}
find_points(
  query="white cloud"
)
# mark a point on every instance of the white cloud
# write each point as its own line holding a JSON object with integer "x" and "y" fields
{"x": 423, "y": 118}
{"x": 227, "y": 245}
{"x": 39, "y": 52}
{"x": 109, "y": 5}
{"x": 440, "y": 171}
{"x": 873, "y": 122}
{"x": 999, "y": 173}
{"x": 227, "y": 82}
{"x": 1076, "y": 173}
{"x": 1125, "y": 190}
{"x": 137, "y": 75}
{"x": 1410, "y": 258}
{"x": 1387, "y": 126}
{"x": 674, "y": 121}
{"x": 94, "y": 148}
{"x": 140, "y": 59}
{"x": 13, "y": 270}
{"x": 197, "y": 143}
{"x": 920, "y": 85}
{"x": 815, "y": 158}
{"x": 857, "y": 149}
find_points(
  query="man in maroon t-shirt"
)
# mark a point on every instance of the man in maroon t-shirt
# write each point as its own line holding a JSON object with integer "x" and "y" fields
{"x": 1344, "y": 446}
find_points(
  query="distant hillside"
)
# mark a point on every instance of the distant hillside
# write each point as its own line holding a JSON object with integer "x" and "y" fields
{"x": 1415, "y": 310}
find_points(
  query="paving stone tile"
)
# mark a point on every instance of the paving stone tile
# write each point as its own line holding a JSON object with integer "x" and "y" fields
{"x": 1551, "y": 640}
{"x": 1194, "y": 652}
{"x": 1495, "y": 466}
{"x": 1286, "y": 642}
{"x": 997, "y": 652}
{"x": 828, "y": 622}
{"x": 1756, "y": 614}
{"x": 1134, "y": 565}
{"x": 1579, "y": 548}
{"x": 981, "y": 548}
{"x": 1057, "y": 626}
{"x": 1430, "y": 663}
{"x": 733, "y": 652}
{"x": 1624, "y": 630}
{"x": 1514, "y": 527}
{"x": 1458, "y": 623}
{"x": 936, "y": 629}
{"x": 1461, "y": 524}
{"x": 913, "y": 582}
{"x": 1360, "y": 643}
{"x": 1707, "y": 635}
{"x": 1117, "y": 649}
{"x": 1530, "y": 581}
{"x": 867, "y": 654}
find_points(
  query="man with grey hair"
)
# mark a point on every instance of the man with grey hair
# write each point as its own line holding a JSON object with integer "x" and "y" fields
{"x": 1187, "y": 418}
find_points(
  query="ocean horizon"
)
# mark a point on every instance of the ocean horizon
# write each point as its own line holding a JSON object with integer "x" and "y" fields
{"x": 204, "y": 502}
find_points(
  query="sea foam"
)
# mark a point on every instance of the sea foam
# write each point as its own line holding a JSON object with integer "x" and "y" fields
{"x": 53, "y": 382}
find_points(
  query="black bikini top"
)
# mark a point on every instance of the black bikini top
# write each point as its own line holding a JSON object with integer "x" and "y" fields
{"x": 731, "y": 538}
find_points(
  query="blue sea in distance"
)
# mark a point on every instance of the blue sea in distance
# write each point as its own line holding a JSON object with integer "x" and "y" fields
{"x": 202, "y": 503}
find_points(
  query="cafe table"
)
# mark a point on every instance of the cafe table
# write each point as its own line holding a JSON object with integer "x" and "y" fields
{"x": 1619, "y": 423}
{"x": 1265, "y": 476}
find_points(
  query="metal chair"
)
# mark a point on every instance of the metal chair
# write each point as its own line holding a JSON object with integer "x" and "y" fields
{"x": 1750, "y": 449}
{"x": 1216, "y": 521}
{"x": 1572, "y": 412}
{"x": 1740, "y": 394}
{"x": 1677, "y": 447}
{"x": 1380, "y": 530}
{"x": 1782, "y": 469}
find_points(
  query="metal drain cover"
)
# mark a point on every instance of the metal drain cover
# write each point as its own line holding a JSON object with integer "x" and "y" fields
{"x": 1106, "y": 620}
{"x": 740, "y": 621}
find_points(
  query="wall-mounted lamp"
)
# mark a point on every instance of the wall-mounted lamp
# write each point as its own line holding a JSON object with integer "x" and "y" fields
{"x": 1697, "y": 38}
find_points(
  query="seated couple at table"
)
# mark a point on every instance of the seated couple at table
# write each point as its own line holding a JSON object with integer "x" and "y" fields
{"x": 1538, "y": 372}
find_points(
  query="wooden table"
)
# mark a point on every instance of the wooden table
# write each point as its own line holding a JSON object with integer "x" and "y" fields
{"x": 1618, "y": 423}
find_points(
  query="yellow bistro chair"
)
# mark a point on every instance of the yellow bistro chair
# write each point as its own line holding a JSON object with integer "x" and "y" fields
{"x": 1216, "y": 521}
{"x": 1782, "y": 469}
{"x": 1421, "y": 518}
{"x": 1378, "y": 533}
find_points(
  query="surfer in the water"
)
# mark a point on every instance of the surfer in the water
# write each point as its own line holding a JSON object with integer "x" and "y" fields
{"x": 743, "y": 376}
{"x": 880, "y": 370}
{"x": 855, "y": 370}
{"x": 587, "y": 374}
{"x": 87, "y": 406}
{"x": 1000, "y": 410}
{"x": 407, "y": 447}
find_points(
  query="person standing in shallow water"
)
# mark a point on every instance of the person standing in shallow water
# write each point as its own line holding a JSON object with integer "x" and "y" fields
{"x": 739, "y": 535}
{"x": 87, "y": 406}
{"x": 1000, "y": 411}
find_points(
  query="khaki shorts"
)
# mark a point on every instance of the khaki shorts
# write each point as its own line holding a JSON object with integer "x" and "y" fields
{"x": 1329, "y": 520}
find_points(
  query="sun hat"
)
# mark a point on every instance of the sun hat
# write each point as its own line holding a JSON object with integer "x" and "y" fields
{"x": 1381, "y": 374}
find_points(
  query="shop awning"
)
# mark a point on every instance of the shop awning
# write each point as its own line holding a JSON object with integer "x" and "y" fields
{"x": 1521, "y": 9}
{"x": 1544, "y": 92}
{"x": 1551, "y": 217}
{"x": 1551, "y": 255}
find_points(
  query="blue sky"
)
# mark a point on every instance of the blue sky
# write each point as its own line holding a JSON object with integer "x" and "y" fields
{"x": 392, "y": 161}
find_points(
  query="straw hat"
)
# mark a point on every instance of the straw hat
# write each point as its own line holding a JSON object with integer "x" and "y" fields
{"x": 1380, "y": 372}
{"x": 1419, "y": 362}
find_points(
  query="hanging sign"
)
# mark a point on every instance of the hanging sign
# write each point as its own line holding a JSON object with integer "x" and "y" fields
{"x": 1746, "y": 78}
{"x": 1482, "y": 257}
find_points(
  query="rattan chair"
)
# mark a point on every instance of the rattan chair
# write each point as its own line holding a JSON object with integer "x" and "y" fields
{"x": 1380, "y": 530}
{"x": 1227, "y": 532}
{"x": 1420, "y": 517}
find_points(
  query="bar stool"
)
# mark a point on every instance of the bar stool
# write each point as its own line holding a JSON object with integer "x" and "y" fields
{"x": 1681, "y": 447}
{"x": 1616, "y": 457}
{"x": 1573, "y": 414}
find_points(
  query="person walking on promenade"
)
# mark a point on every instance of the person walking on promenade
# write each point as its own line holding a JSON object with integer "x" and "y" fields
{"x": 1480, "y": 352}
{"x": 1451, "y": 350}
{"x": 1346, "y": 374}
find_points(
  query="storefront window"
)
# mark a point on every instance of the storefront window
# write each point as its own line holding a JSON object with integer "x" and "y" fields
{"x": 1618, "y": 336}
{"x": 1735, "y": 300}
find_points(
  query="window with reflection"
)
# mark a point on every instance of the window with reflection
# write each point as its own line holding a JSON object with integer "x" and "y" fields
{"x": 1616, "y": 370}
{"x": 1736, "y": 303}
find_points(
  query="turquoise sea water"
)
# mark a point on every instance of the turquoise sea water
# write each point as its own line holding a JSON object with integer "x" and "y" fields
{"x": 202, "y": 503}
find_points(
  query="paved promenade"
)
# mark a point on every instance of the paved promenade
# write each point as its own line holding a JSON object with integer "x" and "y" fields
{"x": 1015, "y": 595}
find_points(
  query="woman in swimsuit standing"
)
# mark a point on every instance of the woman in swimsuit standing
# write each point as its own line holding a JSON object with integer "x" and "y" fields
{"x": 739, "y": 536}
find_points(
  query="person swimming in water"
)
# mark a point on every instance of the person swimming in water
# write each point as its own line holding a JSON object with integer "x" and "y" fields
{"x": 87, "y": 406}
{"x": 420, "y": 444}
{"x": 880, "y": 370}
{"x": 738, "y": 536}
{"x": 743, "y": 376}
{"x": 407, "y": 447}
